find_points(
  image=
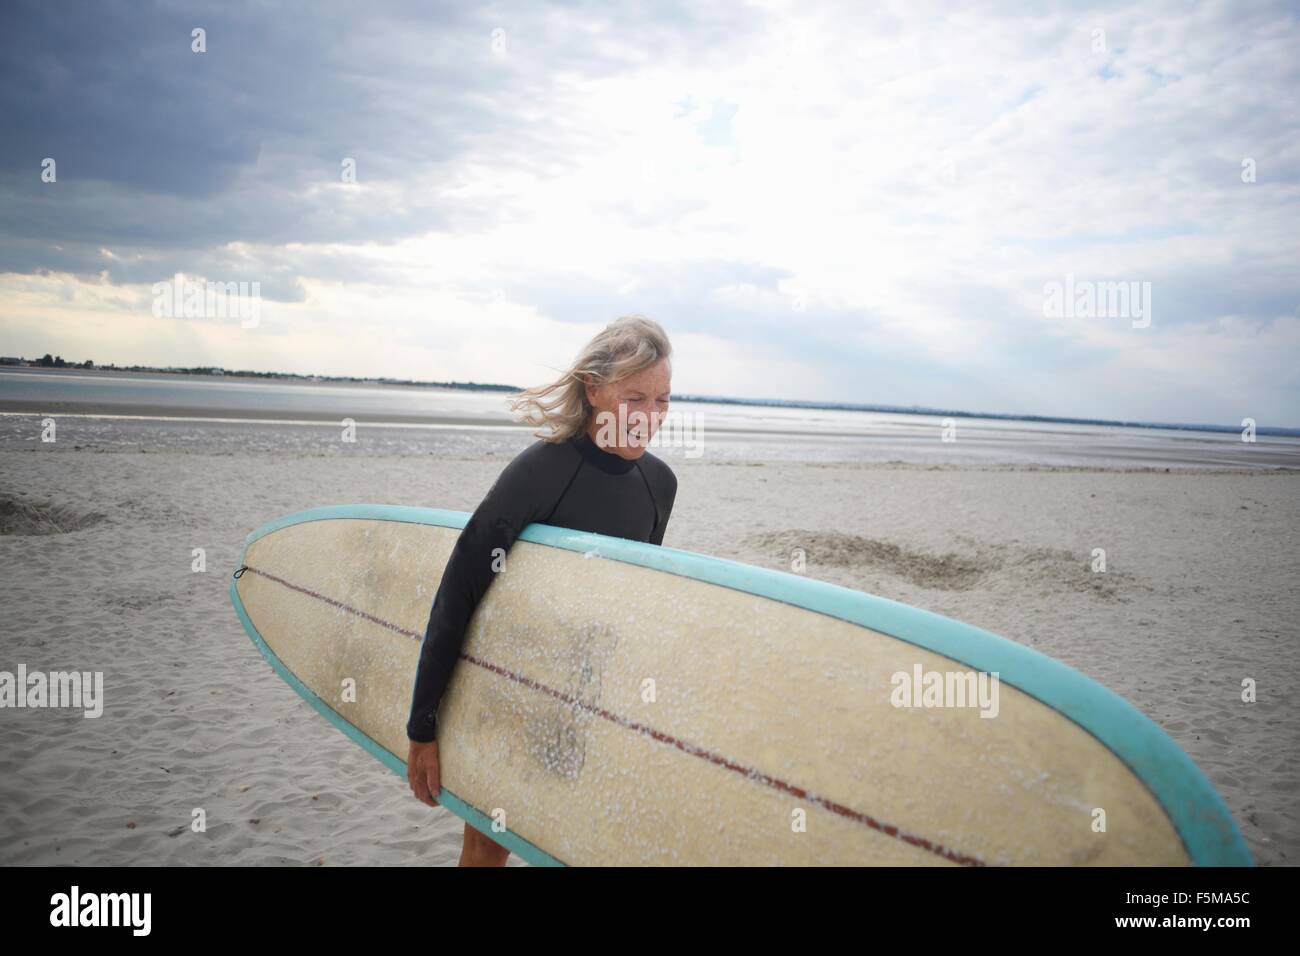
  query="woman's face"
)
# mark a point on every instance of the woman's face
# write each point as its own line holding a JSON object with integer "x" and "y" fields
{"x": 627, "y": 413}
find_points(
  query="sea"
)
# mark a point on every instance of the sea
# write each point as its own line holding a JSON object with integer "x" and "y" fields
{"x": 227, "y": 414}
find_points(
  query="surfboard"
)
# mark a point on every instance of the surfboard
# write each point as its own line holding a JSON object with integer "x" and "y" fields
{"x": 621, "y": 703}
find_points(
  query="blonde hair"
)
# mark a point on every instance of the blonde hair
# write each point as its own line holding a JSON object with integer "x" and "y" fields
{"x": 624, "y": 347}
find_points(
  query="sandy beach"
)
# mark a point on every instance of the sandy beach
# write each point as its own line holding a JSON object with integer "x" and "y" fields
{"x": 1199, "y": 594}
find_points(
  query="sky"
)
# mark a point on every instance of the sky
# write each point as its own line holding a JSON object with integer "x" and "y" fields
{"x": 818, "y": 201}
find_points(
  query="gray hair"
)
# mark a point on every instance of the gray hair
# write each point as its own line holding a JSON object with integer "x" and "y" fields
{"x": 624, "y": 347}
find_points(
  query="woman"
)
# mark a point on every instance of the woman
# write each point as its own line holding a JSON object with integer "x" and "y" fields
{"x": 589, "y": 471}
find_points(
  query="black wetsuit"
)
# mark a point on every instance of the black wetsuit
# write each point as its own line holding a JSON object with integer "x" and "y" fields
{"x": 570, "y": 484}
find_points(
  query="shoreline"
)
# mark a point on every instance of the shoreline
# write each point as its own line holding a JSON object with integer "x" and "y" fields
{"x": 919, "y": 411}
{"x": 282, "y": 416}
{"x": 981, "y": 448}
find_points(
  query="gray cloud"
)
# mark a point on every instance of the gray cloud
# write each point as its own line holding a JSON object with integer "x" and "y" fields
{"x": 1126, "y": 166}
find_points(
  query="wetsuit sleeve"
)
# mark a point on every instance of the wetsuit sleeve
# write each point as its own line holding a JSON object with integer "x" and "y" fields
{"x": 513, "y": 501}
{"x": 665, "y": 492}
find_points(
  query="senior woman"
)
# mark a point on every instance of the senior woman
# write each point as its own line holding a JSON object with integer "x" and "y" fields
{"x": 589, "y": 471}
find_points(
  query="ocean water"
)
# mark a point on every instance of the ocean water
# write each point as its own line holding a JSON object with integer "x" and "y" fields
{"x": 124, "y": 410}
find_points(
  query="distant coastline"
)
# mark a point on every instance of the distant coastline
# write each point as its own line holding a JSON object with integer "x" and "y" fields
{"x": 52, "y": 363}
{"x": 48, "y": 363}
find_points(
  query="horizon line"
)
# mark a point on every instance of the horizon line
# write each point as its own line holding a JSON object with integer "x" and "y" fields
{"x": 824, "y": 404}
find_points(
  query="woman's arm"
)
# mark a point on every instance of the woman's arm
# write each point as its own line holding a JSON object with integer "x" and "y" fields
{"x": 516, "y": 499}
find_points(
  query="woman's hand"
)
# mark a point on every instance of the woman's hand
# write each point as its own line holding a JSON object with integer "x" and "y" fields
{"x": 422, "y": 771}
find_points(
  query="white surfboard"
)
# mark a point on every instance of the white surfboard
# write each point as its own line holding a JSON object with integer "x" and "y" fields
{"x": 622, "y": 703}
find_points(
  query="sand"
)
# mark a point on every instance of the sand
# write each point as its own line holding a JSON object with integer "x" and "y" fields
{"x": 1199, "y": 594}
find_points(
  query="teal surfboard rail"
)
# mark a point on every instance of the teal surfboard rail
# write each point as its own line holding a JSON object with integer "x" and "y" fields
{"x": 1198, "y": 813}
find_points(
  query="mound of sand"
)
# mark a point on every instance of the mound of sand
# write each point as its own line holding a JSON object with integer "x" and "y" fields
{"x": 27, "y": 517}
{"x": 1043, "y": 569}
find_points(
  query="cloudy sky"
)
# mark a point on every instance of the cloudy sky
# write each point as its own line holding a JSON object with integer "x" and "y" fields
{"x": 851, "y": 202}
